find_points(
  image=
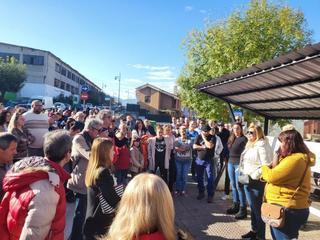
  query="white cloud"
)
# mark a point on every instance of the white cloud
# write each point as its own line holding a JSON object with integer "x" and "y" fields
{"x": 161, "y": 75}
{"x": 188, "y": 8}
{"x": 202, "y": 11}
{"x": 167, "y": 86}
{"x": 149, "y": 67}
{"x": 156, "y": 72}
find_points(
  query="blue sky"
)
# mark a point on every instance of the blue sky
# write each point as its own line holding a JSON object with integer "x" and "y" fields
{"x": 141, "y": 39}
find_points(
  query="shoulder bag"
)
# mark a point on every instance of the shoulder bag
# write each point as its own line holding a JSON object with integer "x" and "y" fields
{"x": 274, "y": 215}
{"x": 243, "y": 179}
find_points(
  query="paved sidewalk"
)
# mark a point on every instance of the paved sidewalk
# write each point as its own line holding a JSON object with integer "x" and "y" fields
{"x": 209, "y": 221}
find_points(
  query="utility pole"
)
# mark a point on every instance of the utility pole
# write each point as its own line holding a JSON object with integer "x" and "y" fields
{"x": 119, "y": 79}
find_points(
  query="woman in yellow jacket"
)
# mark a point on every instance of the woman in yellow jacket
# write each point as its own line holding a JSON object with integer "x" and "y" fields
{"x": 283, "y": 177}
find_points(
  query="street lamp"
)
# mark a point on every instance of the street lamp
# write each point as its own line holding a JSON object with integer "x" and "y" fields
{"x": 119, "y": 79}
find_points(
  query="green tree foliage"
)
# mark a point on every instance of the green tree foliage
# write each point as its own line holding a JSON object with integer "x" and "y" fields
{"x": 12, "y": 75}
{"x": 260, "y": 32}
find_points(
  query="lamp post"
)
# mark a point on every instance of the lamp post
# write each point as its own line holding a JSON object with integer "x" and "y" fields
{"x": 119, "y": 79}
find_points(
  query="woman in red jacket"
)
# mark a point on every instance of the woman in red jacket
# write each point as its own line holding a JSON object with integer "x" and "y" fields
{"x": 146, "y": 211}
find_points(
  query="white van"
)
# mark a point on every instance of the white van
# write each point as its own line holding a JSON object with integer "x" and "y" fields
{"x": 47, "y": 102}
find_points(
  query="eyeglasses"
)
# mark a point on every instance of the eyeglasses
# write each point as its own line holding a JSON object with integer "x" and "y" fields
{"x": 250, "y": 132}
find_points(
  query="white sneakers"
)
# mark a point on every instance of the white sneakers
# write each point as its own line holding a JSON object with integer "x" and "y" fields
{"x": 225, "y": 197}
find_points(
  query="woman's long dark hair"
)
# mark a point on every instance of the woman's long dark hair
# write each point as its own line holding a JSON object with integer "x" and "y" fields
{"x": 136, "y": 127}
{"x": 233, "y": 137}
{"x": 294, "y": 142}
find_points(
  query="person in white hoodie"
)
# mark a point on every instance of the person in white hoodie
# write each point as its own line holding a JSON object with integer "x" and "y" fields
{"x": 256, "y": 154}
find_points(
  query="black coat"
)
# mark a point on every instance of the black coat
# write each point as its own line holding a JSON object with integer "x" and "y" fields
{"x": 96, "y": 222}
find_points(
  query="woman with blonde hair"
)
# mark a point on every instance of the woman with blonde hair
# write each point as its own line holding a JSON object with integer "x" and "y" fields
{"x": 256, "y": 154}
{"x": 16, "y": 127}
{"x": 145, "y": 212}
{"x": 100, "y": 183}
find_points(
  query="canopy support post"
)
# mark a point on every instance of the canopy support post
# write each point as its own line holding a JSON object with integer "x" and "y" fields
{"x": 231, "y": 114}
{"x": 266, "y": 126}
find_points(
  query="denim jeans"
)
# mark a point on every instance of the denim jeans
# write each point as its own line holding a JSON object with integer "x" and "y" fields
{"x": 238, "y": 194}
{"x": 183, "y": 167}
{"x": 121, "y": 176}
{"x": 294, "y": 219}
{"x": 79, "y": 217}
{"x": 254, "y": 194}
{"x": 172, "y": 172}
{"x": 208, "y": 168}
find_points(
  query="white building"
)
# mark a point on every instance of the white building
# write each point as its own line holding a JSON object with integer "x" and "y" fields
{"x": 47, "y": 75}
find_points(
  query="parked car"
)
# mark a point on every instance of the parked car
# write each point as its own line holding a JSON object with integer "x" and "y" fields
{"x": 59, "y": 105}
{"x": 11, "y": 103}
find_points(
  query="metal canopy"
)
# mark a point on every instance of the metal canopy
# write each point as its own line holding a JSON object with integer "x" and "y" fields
{"x": 284, "y": 87}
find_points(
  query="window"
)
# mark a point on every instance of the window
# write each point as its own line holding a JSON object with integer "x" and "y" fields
{"x": 147, "y": 99}
{"x": 73, "y": 77}
{"x": 76, "y": 90}
{"x": 81, "y": 82}
{"x": 68, "y": 87}
{"x": 6, "y": 56}
{"x": 174, "y": 103}
{"x": 62, "y": 86}
{"x": 77, "y": 79}
{"x": 63, "y": 71}
{"x": 33, "y": 60}
{"x": 58, "y": 68}
{"x": 57, "y": 83}
{"x": 69, "y": 74}
{"x": 72, "y": 89}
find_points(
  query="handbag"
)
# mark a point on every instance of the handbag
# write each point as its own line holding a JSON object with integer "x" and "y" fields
{"x": 273, "y": 214}
{"x": 244, "y": 179}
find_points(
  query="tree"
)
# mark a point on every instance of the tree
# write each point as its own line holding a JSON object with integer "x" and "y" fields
{"x": 260, "y": 32}
{"x": 64, "y": 99}
{"x": 12, "y": 75}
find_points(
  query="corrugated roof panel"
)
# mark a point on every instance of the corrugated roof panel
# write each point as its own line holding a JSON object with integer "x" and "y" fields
{"x": 291, "y": 87}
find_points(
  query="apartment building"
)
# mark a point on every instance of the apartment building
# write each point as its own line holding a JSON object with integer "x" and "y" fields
{"x": 47, "y": 74}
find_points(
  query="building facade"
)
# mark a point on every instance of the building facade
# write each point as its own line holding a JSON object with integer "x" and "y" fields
{"x": 47, "y": 75}
{"x": 156, "y": 100}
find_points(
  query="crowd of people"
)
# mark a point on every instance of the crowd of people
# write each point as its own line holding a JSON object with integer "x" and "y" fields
{"x": 118, "y": 175}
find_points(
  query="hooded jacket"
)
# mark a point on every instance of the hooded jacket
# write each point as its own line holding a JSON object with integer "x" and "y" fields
{"x": 34, "y": 203}
{"x": 283, "y": 180}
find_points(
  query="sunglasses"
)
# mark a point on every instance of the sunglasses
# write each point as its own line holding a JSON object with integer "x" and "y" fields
{"x": 250, "y": 132}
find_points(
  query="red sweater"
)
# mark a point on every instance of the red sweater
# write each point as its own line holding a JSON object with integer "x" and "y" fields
{"x": 152, "y": 236}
